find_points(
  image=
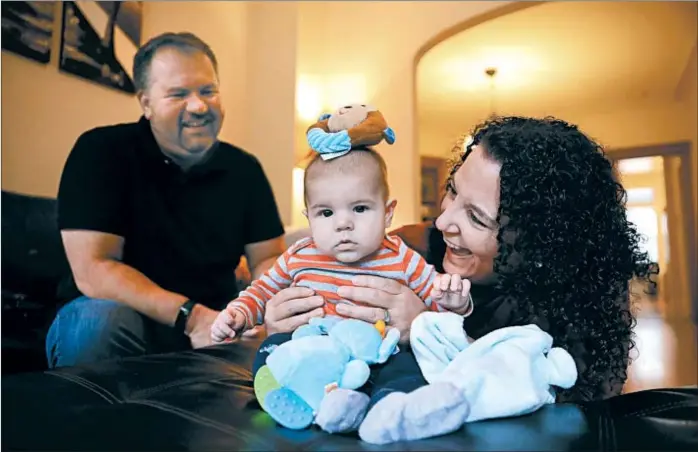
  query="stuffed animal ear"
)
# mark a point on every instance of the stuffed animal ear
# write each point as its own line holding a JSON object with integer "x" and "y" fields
{"x": 389, "y": 345}
{"x": 562, "y": 368}
{"x": 389, "y": 135}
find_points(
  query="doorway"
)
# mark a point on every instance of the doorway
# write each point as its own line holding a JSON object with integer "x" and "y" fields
{"x": 658, "y": 182}
{"x": 433, "y": 176}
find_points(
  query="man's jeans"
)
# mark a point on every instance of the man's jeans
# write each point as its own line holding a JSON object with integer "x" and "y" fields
{"x": 87, "y": 330}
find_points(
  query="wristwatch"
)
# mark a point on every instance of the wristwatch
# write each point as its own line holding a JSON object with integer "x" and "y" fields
{"x": 183, "y": 315}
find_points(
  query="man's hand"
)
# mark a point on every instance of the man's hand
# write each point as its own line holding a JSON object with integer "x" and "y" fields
{"x": 228, "y": 325}
{"x": 382, "y": 295}
{"x": 452, "y": 292}
{"x": 198, "y": 326}
{"x": 291, "y": 308}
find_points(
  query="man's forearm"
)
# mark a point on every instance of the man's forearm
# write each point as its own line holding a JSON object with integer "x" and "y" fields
{"x": 112, "y": 280}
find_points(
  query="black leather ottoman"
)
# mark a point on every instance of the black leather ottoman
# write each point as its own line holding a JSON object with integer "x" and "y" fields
{"x": 203, "y": 400}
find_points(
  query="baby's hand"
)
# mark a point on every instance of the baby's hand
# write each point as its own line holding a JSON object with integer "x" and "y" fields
{"x": 229, "y": 323}
{"x": 452, "y": 293}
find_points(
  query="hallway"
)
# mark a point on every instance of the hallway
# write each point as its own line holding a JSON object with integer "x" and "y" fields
{"x": 665, "y": 354}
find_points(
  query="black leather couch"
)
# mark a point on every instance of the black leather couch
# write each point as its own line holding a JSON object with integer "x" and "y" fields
{"x": 203, "y": 400}
{"x": 33, "y": 261}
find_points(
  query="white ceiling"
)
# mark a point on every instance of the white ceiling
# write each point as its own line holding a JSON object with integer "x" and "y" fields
{"x": 559, "y": 55}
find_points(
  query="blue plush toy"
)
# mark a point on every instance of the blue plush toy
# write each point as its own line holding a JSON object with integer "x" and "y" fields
{"x": 327, "y": 353}
{"x": 349, "y": 127}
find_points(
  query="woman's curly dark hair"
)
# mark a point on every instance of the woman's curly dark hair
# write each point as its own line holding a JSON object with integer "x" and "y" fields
{"x": 566, "y": 249}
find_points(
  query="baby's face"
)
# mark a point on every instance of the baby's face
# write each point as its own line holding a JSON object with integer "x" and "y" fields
{"x": 347, "y": 215}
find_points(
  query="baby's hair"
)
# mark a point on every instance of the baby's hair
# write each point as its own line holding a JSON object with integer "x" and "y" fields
{"x": 362, "y": 160}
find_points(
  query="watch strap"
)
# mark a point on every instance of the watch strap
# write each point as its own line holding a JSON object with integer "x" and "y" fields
{"x": 183, "y": 315}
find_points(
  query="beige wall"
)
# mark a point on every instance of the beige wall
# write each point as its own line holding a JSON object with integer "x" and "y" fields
{"x": 689, "y": 97}
{"x": 679, "y": 287}
{"x": 692, "y": 124}
{"x": 269, "y": 105}
{"x": 44, "y": 111}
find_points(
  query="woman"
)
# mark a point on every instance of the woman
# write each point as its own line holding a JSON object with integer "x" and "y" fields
{"x": 535, "y": 218}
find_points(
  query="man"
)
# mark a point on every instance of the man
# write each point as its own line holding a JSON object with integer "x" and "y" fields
{"x": 155, "y": 216}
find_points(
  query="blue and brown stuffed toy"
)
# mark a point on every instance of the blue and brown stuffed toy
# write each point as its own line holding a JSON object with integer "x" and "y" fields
{"x": 351, "y": 126}
{"x": 326, "y": 354}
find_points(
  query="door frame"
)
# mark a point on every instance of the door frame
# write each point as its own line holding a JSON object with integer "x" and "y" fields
{"x": 682, "y": 150}
{"x": 438, "y": 166}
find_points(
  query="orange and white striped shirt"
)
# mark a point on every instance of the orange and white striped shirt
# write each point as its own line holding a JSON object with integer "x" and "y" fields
{"x": 303, "y": 265}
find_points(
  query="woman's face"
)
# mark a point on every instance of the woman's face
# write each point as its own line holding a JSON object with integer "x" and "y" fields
{"x": 468, "y": 218}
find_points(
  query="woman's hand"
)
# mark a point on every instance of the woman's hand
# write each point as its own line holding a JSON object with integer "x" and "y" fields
{"x": 291, "y": 308}
{"x": 383, "y": 295}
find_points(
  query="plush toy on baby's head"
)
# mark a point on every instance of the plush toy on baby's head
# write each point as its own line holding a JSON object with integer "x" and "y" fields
{"x": 349, "y": 127}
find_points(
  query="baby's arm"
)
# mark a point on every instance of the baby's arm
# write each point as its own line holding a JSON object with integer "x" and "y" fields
{"x": 247, "y": 310}
{"x": 420, "y": 278}
{"x": 435, "y": 289}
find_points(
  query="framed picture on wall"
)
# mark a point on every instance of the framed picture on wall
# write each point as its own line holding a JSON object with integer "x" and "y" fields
{"x": 27, "y": 29}
{"x": 99, "y": 40}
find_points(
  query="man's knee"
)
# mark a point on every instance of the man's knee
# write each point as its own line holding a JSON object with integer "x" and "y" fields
{"x": 88, "y": 330}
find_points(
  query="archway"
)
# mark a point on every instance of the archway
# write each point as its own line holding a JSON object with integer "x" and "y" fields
{"x": 598, "y": 65}
{"x": 433, "y": 168}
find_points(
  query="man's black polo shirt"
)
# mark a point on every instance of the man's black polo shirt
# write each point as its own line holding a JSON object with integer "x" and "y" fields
{"x": 184, "y": 231}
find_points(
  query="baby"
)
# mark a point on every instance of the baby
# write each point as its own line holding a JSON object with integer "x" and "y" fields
{"x": 348, "y": 208}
